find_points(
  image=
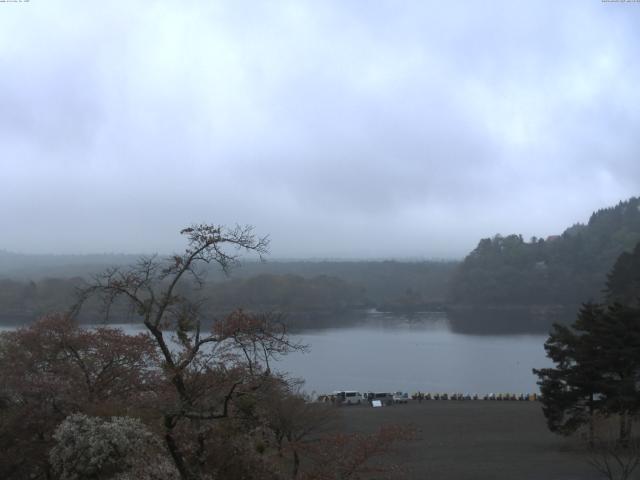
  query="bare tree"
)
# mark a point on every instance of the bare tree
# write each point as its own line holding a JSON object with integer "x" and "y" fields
{"x": 295, "y": 421}
{"x": 615, "y": 460}
{"x": 209, "y": 374}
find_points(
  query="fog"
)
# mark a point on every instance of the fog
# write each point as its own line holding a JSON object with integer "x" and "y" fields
{"x": 341, "y": 129}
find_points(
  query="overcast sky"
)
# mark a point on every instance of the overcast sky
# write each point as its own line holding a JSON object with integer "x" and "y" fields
{"x": 341, "y": 128}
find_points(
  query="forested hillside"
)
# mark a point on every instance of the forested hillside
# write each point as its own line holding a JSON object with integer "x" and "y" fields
{"x": 623, "y": 283}
{"x": 383, "y": 281}
{"x": 562, "y": 270}
{"x": 304, "y": 291}
{"x": 22, "y": 302}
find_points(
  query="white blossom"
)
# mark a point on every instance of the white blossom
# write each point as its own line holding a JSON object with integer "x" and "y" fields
{"x": 119, "y": 448}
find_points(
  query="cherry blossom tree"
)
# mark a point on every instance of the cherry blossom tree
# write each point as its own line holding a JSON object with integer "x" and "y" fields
{"x": 117, "y": 448}
{"x": 54, "y": 368}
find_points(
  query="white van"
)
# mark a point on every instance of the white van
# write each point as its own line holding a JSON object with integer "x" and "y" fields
{"x": 349, "y": 397}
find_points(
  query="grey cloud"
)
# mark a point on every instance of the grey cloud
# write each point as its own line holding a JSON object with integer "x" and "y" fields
{"x": 320, "y": 123}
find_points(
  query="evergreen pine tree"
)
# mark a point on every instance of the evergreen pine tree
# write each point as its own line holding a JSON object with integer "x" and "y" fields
{"x": 570, "y": 392}
{"x": 597, "y": 369}
{"x": 623, "y": 283}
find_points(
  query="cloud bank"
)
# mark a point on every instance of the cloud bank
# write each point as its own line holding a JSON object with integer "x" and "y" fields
{"x": 342, "y": 129}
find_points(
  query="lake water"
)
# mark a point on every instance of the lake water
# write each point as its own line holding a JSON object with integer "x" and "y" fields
{"x": 410, "y": 353}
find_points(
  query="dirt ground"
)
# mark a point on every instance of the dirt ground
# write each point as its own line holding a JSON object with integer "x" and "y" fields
{"x": 477, "y": 440}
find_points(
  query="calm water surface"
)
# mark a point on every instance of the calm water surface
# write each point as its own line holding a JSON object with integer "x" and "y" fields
{"x": 416, "y": 354}
{"x": 410, "y": 353}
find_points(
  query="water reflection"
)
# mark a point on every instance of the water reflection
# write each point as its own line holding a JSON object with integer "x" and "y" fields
{"x": 416, "y": 352}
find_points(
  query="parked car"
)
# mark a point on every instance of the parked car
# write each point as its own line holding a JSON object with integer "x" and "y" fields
{"x": 400, "y": 397}
{"x": 385, "y": 398}
{"x": 349, "y": 397}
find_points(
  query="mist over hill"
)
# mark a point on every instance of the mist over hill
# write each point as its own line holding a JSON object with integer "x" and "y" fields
{"x": 302, "y": 290}
{"x": 34, "y": 267}
{"x": 566, "y": 269}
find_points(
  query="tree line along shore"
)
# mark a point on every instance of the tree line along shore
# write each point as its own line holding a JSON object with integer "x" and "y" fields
{"x": 505, "y": 284}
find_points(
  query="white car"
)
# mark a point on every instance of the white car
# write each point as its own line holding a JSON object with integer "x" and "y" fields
{"x": 400, "y": 397}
